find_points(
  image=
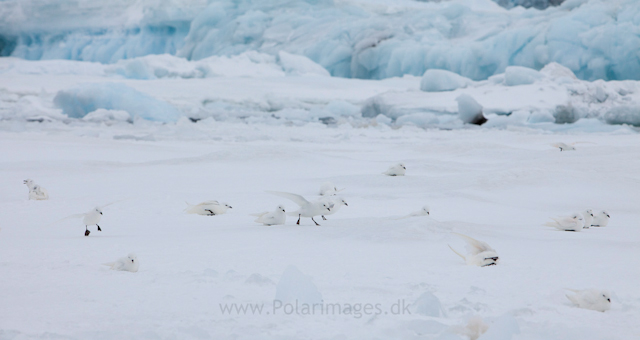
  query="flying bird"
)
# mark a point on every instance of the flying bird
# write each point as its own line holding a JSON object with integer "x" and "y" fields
{"x": 91, "y": 217}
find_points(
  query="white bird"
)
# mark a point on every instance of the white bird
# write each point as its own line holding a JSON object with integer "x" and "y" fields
{"x": 574, "y": 222}
{"x": 480, "y": 253}
{"x": 307, "y": 209}
{"x": 587, "y": 215}
{"x": 396, "y": 170}
{"x": 276, "y": 217}
{"x": 564, "y": 147}
{"x": 335, "y": 203}
{"x": 422, "y": 212}
{"x": 594, "y": 299}
{"x": 601, "y": 220}
{"x": 92, "y": 217}
{"x": 129, "y": 263}
{"x": 329, "y": 189}
{"x": 36, "y": 192}
{"x": 208, "y": 208}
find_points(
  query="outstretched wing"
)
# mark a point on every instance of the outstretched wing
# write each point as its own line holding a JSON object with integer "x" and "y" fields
{"x": 297, "y": 199}
{"x": 111, "y": 203}
{"x": 477, "y": 247}
{"x": 67, "y": 218}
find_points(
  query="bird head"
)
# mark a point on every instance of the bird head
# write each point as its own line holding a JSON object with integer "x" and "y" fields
{"x": 281, "y": 208}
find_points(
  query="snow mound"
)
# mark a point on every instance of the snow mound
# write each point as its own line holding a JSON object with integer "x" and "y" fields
{"x": 518, "y": 75}
{"x": 624, "y": 115}
{"x": 300, "y": 65}
{"x": 78, "y": 102}
{"x": 294, "y": 286}
{"x": 501, "y": 328}
{"x": 442, "y": 80}
{"x": 429, "y": 305}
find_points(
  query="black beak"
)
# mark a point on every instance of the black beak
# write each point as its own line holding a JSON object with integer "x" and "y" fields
{"x": 345, "y": 203}
{"x": 131, "y": 260}
{"x": 428, "y": 213}
{"x": 230, "y": 207}
{"x": 404, "y": 168}
{"x": 608, "y": 216}
{"x": 329, "y": 209}
{"x": 101, "y": 213}
{"x": 609, "y": 300}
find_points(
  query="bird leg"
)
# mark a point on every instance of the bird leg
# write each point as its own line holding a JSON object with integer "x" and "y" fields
{"x": 86, "y": 231}
{"x": 98, "y": 227}
{"x": 324, "y": 218}
{"x": 211, "y": 211}
{"x": 299, "y": 215}
{"x": 314, "y": 221}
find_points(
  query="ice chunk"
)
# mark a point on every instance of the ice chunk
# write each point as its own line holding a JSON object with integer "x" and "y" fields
{"x": 429, "y": 305}
{"x": 442, "y": 80}
{"x": 518, "y": 75}
{"x": 558, "y": 72}
{"x": 628, "y": 114}
{"x": 300, "y": 65}
{"x": 294, "y": 286}
{"x": 469, "y": 110}
{"x": 103, "y": 115}
{"x": 78, "y": 102}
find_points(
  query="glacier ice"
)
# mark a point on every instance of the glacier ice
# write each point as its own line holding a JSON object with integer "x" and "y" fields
{"x": 518, "y": 75}
{"x": 435, "y": 80}
{"x": 476, "y": 39}
{"x": 80, "y": 101}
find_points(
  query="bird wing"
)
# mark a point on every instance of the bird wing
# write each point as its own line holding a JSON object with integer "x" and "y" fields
{"x": 297, "y": 199}
{"x": 67, "y": 218}
{"x": 111, "y": 203}
{"x": 477, "y": 246}
{"x": 565, "y": 222}
{"x": 464, "y": 258}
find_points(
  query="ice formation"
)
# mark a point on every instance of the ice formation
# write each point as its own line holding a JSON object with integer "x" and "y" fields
{"x": 474, "y": 38}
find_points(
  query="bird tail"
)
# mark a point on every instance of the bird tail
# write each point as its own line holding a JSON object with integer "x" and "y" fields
{"x": 464, "y": 258}
{"x": 551, "y": 224}
{"x": 189, "y": 208}
{"x": 109, "y": 264}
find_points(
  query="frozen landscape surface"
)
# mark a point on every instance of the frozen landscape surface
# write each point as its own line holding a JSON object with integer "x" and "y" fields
{"x": 154, "y": 103}
{"x": 499, "y": 186}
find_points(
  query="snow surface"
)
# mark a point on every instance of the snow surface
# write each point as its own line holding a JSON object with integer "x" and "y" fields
{"x": 596, "y": 39}
{"x": 494, "y": 185}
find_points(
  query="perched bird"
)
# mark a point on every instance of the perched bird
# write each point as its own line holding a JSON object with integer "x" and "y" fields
{"x": 574, "y": 222}
{"x": 328, "y": 189}
{"x": 396, "y": 170}
{"x": 276, "y": 217}
{"x": 594, "y": 299}
{"x": 335, "y": 203}
{"x": 208, "y": 208}
{"x": 129, "y": 263}
{"x": 601, "y": 219}
{"x": 307, "y": 209}
{"x": 564, "y": 147}
{"x": 480, "y": 253}
{"x": 587, "y": 215}
{"x": 36, "y": 192}
{"x": 422, "y": 212}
